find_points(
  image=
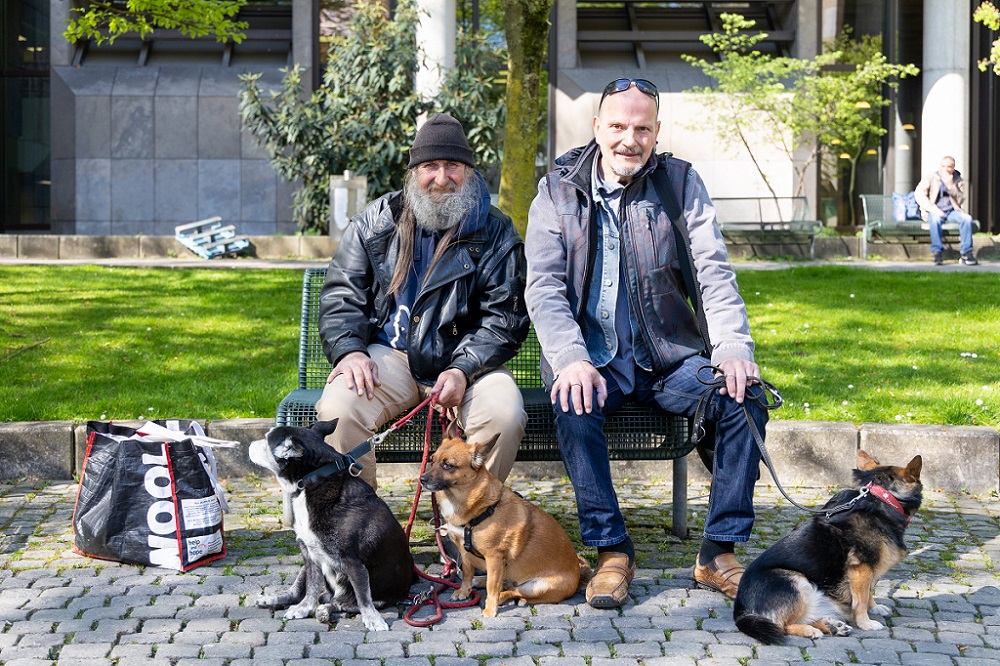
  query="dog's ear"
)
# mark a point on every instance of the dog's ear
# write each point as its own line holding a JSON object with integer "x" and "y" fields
{"x": 287, "y": 449}
{"x": 911, "y": 472}
{"x": 324, "y": 428}
{"x": 451, "y": 432}
{"x": 866, "y": 462}
{"x": 482, "y": 452}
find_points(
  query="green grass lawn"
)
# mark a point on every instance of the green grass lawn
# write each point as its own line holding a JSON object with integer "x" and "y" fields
{"x": 128, "y": 343}
{"x": 841, "y": 343}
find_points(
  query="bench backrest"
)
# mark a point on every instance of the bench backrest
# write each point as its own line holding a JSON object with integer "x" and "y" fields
{"x": 761, "y": 209}
{"x": 877, "y": 207}
{"x": 314, "y": 368}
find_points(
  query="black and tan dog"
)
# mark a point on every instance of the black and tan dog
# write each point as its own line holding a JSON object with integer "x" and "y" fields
{"x": 823, "y": 572}
{"x": 350, "y": 540}
{"x": 526, "y": 554}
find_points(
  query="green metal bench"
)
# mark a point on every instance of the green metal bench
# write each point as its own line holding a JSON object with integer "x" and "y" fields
{"x": 880, "y": 225}
{"x": 634, "y": 432}
{"x": 767, "y": 221}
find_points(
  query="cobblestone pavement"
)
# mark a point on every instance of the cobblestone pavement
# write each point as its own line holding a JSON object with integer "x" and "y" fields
{"x": 58, "y": 607}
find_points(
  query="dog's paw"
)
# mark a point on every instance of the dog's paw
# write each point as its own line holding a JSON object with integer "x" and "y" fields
{"x": 461, "y": 594}
{"x": 299, "y": 611}
{"x": 880, "y": 609}
{"x": 871, "y": 625}
{"x": 324, "y": 613}
{"x": 838, "y": 627}
{"x": 374, "y": 622}
{"x": 267, "y": 601}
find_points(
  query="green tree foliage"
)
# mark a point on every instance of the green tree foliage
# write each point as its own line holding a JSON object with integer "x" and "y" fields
{"x": 364, "y": 114}
{"x": 830, "y": 105}
{"x": 989, "y": 16}
{"x": 106, "y": 20}
{"x": 841, "y": 107}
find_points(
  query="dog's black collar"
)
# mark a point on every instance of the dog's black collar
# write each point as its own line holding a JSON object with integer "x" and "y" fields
{"x": 348, "y": 462}
{"x": 472, "y": 523}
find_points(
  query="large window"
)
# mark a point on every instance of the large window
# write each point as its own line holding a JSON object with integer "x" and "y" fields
{"x": 24, "y": 115}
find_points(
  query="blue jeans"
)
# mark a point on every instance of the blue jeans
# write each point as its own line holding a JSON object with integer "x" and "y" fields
{"x": 964, "y": 229}
{"x": 584, "y": 450}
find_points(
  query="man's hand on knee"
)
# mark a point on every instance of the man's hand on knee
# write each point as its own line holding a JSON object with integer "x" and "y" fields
{"x": 576, "y": 386}
{"x": 360, "y": 373}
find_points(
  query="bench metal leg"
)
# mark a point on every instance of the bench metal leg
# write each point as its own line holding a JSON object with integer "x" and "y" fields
{"x": 680, "y": 529}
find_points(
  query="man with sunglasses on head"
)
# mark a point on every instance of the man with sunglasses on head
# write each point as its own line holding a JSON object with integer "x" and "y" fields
{"x": 425, "y": 295}
{"x": 618, "y": 239}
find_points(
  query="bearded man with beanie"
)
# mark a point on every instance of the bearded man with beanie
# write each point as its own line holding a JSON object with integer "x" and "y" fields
{"x": 424, "y": 295}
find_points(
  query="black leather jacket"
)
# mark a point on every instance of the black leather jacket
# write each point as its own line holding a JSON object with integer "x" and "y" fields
{"x": 469, "y": 315}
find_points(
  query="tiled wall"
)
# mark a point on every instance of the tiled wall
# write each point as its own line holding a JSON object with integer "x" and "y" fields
{"x": 139, "y": 150}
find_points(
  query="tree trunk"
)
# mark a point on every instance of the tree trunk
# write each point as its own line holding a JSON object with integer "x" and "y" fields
{"x": 526, "y": 23}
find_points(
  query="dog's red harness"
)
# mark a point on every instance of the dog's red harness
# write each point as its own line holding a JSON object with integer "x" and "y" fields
{"x": 887, "y": 497}
{"x": 871, "y": 488}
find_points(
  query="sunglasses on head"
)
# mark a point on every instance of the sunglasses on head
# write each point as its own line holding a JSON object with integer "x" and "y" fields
{"x": 621, "y": 85}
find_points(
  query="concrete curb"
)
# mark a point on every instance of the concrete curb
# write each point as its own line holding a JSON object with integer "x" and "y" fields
{"x": 805, "y": 453}
{"x": 67, "y": 247}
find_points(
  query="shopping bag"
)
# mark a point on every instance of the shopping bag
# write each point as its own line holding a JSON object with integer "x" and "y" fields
{"x": 150, "y": 495}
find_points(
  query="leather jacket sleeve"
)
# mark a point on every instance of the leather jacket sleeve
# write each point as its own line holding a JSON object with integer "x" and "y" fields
{"x": 347, "y": 309}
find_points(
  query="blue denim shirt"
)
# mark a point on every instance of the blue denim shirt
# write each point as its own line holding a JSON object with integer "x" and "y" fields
{"x": 610, "y": 327}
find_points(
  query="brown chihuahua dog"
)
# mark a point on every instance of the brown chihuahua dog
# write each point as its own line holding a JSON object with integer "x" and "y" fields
{"x": 526, "y": 554}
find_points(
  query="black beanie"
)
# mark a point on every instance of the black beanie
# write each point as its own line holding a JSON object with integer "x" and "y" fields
{"x": 441, "y": 137}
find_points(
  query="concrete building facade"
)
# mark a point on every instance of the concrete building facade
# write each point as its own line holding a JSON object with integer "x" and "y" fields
{"x": 949, "y": 109}
{"x": 139, "y": 136}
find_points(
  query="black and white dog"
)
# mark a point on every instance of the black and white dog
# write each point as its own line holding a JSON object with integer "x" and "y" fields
{"x": 350, "y": 540}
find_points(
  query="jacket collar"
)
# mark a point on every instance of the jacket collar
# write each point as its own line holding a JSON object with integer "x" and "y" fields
{"x": 576, "y": 165}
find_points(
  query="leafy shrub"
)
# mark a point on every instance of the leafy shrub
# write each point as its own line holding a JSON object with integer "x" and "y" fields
{"x": 364, "y": 114}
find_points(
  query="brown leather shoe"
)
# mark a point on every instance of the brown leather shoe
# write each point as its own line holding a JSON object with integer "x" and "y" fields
{"x": 609, "y": 586}
{"x": 722, "y": 574}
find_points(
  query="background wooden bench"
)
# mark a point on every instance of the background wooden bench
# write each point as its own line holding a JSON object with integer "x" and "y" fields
{"x": 767, "y": 221}
{"x": 880, "y": 225}
{"x": 633, "y": 432}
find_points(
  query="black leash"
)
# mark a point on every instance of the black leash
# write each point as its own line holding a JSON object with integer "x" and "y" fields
{"x": 767, "y": 397}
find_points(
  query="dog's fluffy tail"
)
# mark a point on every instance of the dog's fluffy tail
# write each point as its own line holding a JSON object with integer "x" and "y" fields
{"x": 759, "y": 627}
{"x": 586, "y": 573}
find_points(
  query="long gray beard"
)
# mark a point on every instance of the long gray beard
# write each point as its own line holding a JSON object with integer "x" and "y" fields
{"x": 434, "y": 216}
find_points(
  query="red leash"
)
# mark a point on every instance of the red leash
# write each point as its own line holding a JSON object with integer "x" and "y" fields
{"x": 430, "y": 597}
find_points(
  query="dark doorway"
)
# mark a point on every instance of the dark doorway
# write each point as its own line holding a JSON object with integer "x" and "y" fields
{"x": 24, "y": 116}
{"x": 985, "y": 156}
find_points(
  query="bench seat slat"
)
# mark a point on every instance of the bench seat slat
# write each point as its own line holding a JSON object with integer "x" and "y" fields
{"x": 763, "y": 220}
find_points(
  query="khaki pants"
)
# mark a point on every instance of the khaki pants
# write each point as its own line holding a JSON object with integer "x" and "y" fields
{"x": 491, "y": 405}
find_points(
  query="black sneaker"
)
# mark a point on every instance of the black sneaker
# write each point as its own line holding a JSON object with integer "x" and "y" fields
{"x": 938, "y": 259}
{"x": 969, "y": 259}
